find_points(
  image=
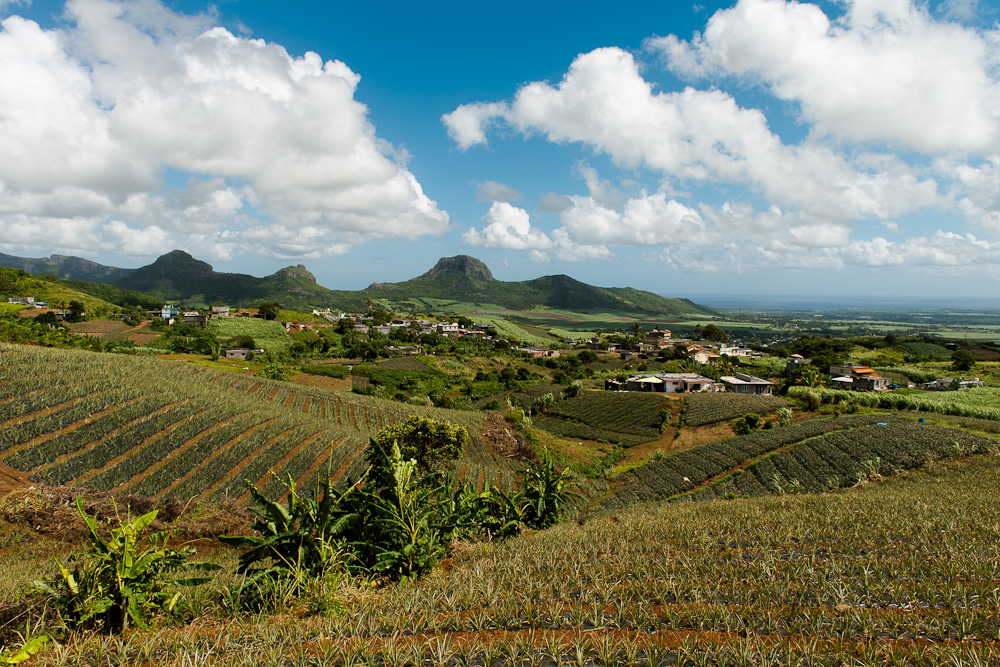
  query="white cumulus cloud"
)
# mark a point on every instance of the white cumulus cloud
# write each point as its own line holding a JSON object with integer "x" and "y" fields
{"x": 283, "y": 160}
{"x": 509, "y": 227}
{"x": 884, "y": 72}
{"x": 646, "y": 220}
{"x": 703, "y": 136}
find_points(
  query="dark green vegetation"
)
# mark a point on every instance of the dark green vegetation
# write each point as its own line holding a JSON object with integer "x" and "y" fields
{"x": 61, "y": 266}
{"x": 177, "y": 276}
{"x": 623, "y": 418}
{"x": 125, "y": 298}
{"x": 430, "y": 444}
{"x": 468, "y": 279}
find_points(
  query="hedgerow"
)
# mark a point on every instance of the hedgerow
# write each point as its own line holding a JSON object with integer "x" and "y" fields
{"x": 979, "y": 402}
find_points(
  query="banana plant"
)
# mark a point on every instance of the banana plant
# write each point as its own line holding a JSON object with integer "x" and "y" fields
{"x": 123, "y": 579}
{"x": 545, "y": 495}
{"x": 302, "y": 537}
{"x": 30, "y": 648}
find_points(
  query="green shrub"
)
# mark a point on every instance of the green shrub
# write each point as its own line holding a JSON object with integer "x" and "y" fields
{"x": 274, "y": 372}
{"x": 740, "y": 426}
{"x": 429, "y": 442}
{"x": 545, "y": 495}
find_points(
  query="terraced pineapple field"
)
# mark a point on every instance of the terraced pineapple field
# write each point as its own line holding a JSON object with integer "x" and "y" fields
{"x": 711, "y": 408}
{"x": 165, "y": 429}
{"x": 810, "y": 455}
{"x": 978, "y": 402}
{"x": 903, "y": 572}
{"x": 625, "y": 418}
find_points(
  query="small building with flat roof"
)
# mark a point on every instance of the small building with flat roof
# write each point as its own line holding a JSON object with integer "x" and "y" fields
{"x": 741, "y": 383}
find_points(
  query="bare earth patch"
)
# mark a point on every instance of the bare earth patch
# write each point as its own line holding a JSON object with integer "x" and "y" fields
{"x": 96, "y": 327}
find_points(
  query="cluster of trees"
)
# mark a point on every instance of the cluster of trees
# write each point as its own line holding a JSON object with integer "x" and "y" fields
{"x": 711, "y": 332}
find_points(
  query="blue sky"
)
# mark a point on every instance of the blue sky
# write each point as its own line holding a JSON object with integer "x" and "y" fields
{"x": 758, "y": 147}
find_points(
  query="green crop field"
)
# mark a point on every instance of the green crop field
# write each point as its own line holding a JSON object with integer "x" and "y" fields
{"x": 161, "y": 428}
{"x": 901, "y": 572}
{"x": 269, "y": 335}
{"x": 512, "y": 331}
{"x": 809, "y": 455}
{"x": 711, "y": 408}
{"x": 845, "y": 458}
{"x": 930, "y": 350}
{"x": 619, "y": 417}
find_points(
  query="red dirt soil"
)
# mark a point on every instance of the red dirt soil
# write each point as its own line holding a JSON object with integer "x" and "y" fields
{"x": 11, "y": 479}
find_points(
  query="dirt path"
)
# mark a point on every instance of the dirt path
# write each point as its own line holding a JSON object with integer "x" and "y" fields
{"x": 11, "y": 480}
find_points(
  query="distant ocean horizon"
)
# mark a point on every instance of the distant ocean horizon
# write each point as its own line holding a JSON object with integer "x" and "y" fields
{"x": 821, "y": 302}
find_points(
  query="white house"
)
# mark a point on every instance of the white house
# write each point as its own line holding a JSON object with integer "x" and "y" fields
{"x": 672, "y": 382}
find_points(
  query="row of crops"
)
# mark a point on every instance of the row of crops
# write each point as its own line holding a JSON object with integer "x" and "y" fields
{"x": 845, "y": 458}
{"x": 575, "y": 430}
{"x": 711, "y": 408}
{"x": 980, "y": 402}
{"x": 622, "y": 417}
{"x": 687, "y": 470}
{"x": 155, "y": 427}
{"x": 511, "y": 331}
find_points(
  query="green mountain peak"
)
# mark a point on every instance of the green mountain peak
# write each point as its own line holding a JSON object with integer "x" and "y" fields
{"x": 460, "y": 264}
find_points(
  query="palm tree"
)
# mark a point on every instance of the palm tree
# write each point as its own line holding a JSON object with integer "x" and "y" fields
{"x": 690, "y": 365}
{"x": 637, "y": 334}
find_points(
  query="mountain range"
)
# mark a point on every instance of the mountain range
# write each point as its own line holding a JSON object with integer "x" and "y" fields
{"x": 179, "y": 277}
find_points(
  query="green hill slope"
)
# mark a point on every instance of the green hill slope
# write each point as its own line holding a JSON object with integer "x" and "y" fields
{"x": 57, "y": 293}
{"x": 61, "y": 266}
{"x": 468, "y": 279}
{"x": 179, "y": 277}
